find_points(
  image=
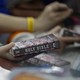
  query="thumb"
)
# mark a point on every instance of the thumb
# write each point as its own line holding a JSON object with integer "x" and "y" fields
{"x": 6, "y": 47}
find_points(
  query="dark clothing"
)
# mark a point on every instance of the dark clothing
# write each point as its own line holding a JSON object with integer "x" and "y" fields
{"x": 3, "y": 8}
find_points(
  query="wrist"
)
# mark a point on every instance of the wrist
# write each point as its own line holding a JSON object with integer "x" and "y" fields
{"x": 39, "y": 25}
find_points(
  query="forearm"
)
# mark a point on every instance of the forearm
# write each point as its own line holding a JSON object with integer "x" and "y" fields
{"x": 10, "y": 23}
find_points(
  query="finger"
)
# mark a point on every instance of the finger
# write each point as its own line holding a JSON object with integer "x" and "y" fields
{"x": 70, "y": 39}
{"x": 6, "y": 47}
{"x": 8, "y": 56}
{"x": 11, "y": 57}
{"x": 55, "y": 6}
{"x": 62, "y": 15}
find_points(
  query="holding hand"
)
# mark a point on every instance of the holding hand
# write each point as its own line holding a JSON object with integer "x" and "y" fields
{"x": 4, "y": 51}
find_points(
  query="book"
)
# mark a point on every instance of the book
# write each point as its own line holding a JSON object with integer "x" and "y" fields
{"x": 70, "y": 33}
{"x": 46, "y": 60}
{"x": 35, "y": 46}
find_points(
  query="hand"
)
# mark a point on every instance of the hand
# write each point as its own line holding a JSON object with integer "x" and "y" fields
{"x": 4, "y": 52}
{"x": 65, "y": 41}
{"x": 52, "y": 15}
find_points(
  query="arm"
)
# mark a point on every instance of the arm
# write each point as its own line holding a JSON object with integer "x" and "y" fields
{"x": 50, "y": 17}
{"x": 10, "y": 23}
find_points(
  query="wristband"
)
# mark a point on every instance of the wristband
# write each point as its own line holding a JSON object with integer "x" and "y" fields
{"x": 30, "y": 22}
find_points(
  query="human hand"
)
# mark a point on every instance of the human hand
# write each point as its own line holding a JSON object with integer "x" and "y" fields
{"x": 64, "y": 40}
{"x": 4, "y": 52}
{"x": 52, "y": 15}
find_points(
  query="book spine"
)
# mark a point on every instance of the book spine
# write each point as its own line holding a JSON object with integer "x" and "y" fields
{"x": 36, "y": 49}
